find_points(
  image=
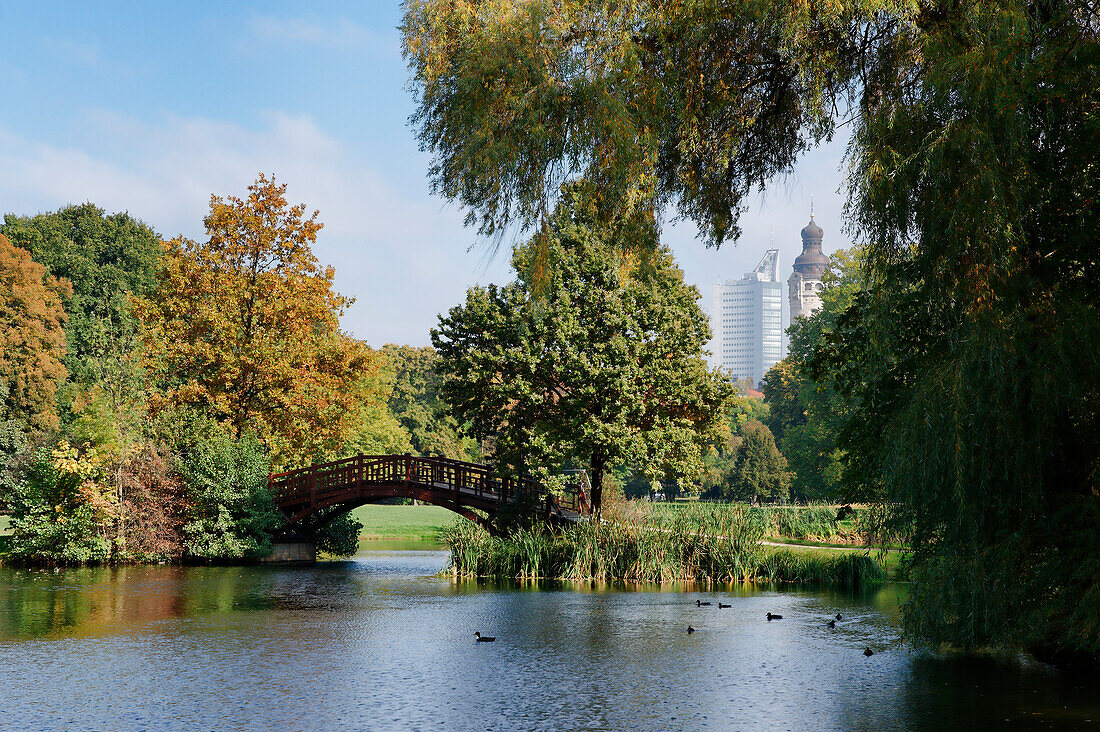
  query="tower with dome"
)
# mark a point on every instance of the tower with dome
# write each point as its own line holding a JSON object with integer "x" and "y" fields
{"x": 804, "y": 284}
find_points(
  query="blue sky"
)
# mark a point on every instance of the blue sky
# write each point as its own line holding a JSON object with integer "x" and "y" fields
{"x": 151, "y": 107}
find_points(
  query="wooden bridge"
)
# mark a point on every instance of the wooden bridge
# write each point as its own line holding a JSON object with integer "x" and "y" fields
{"x": 311, "y": 497}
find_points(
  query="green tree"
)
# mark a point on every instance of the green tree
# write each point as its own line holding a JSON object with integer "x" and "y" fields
{"x": 416, "y": 402}
{"x": 759, "y": 471}
{"x": 806, "y": 413}
{"x": 104, "y": 257}
{"x": 233, "y": 514}
{"x": 602, "y": 365}
{"x": 971, "y": 359}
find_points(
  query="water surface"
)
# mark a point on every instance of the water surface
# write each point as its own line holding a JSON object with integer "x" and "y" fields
{"x": 383, "y": 642}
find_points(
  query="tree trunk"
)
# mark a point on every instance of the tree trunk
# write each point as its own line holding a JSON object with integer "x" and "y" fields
{"x": 596, "y": 471}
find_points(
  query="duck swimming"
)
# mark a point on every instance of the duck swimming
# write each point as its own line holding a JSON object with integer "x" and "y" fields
{"x": 700, "y": 604}
{"x": 868, "y": 652}
{"x": 721, "y": 605}
{"x": 690, "y": 630}
{"x": 484, "y": 638}
{"x": 772, "y": 616}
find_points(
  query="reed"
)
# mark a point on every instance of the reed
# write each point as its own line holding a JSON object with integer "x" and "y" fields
{"x": 813, "y": 522}
{"x": 697, "y": 544}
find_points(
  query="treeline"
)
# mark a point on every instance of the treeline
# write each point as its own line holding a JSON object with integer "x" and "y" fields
{"x": 149, "y": 387}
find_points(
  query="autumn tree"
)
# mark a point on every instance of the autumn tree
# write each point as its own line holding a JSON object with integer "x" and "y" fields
{"x": 32, "y": 341}
{"x": 105, "y": 257}
{"x": 244, "y": 327}
{"x": 600, "y": 365}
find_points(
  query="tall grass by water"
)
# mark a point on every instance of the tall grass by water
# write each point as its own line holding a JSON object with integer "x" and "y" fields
{"x": 813, "y": 522}
{"x": 715, "y": 543}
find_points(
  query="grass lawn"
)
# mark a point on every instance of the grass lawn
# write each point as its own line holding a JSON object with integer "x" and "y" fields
{"x": 402, "y": 522}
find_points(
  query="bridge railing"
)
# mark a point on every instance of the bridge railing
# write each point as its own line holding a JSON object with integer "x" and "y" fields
{"x": 316, "y": 483}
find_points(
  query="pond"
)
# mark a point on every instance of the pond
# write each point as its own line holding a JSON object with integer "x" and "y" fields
{"x": 384, "y": 642}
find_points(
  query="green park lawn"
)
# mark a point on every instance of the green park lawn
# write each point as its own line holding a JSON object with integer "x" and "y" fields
{"x": 402, "y": 522}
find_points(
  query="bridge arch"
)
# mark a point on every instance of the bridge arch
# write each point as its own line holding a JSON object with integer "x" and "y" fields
{"x": 308, "y": 496}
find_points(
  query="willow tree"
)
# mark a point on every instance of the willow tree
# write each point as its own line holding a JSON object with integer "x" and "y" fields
{"x": 601, "y": 366}
{"x": 971, "y": 356}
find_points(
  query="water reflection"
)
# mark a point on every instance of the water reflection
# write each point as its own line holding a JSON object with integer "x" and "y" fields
{"x": 385, "y": 642}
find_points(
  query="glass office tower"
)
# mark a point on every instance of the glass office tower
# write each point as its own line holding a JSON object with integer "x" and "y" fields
{"x": 747, "y": 322}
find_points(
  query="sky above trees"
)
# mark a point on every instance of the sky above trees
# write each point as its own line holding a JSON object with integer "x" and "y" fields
{"x": 152, "y": 108}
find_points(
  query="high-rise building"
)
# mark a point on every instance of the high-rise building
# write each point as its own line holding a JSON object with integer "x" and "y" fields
{"x": 747, "y": 321}
{"x": 804, "y": 284}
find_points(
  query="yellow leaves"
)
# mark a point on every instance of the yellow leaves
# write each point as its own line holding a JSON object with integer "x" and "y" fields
{"x": 68, "y": 461}
{"x": 33, "y": 338}
{"x": 245, "y": 327}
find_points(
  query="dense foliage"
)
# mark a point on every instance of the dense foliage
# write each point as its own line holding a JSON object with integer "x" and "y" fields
{"x": 417, "y": 402}
{"x": 32, "y": 344}
{"x": 192, "y": 369}
{"x": 968, "y": 365}
{"x": 245, "y": 328}
{"x": 601, "y": 365}
{"x": 806, "y": 413}
{"x": 105, "y": 258}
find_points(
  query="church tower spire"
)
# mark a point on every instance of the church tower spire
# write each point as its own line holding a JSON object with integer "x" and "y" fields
{"x": 804, "y": 284}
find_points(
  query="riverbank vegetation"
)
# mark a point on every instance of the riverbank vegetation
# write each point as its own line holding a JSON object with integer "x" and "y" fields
{"x": 719, "y": 544}
{"x": 150, "y": 387}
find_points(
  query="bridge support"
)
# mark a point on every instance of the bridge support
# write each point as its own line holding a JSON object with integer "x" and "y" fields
{"x": 292, "y": 551}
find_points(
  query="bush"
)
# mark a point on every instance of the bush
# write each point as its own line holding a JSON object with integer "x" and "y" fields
{"x": 52, "y": 519}
{"x": 234, "y": 515}
{"x": 339, "y": 537}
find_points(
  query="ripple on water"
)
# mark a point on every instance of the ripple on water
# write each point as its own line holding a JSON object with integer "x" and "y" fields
{"x": 384, "y": 642}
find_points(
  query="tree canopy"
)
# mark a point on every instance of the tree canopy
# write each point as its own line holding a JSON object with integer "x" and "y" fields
{"x": 603, "y": 365}
{"x": 32, "y": 341}
{"x": 244, "y": 327}
{"x": 415, "y": 399}
{"x": 104, "y": 257}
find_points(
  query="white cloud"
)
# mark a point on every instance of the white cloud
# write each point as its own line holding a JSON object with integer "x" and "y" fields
{"x": 339, "y": 33}
{"x": 402, "y": 255}
{"x": 403, "y": 258}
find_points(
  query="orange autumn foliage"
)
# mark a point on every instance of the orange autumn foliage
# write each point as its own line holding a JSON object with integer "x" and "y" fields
{"x": 245, "y": 327}
{"x": 32, "y": 339}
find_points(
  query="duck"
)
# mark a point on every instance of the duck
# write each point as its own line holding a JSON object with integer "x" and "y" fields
{"x": 868, "y": 652}
{"x": 773, "y": 616}
{"x": 721, "y": 605}
{"x": 484, "y": 638}
{"x": 700, "y": 604}
{"x": 838, "y": 617}
{"x": 831, "y": 623}
{"x": 690, "y": 630}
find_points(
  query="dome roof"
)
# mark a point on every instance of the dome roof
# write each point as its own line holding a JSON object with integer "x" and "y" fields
{"x": 811, "y": 263}
{"x": 812, "y": 231}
